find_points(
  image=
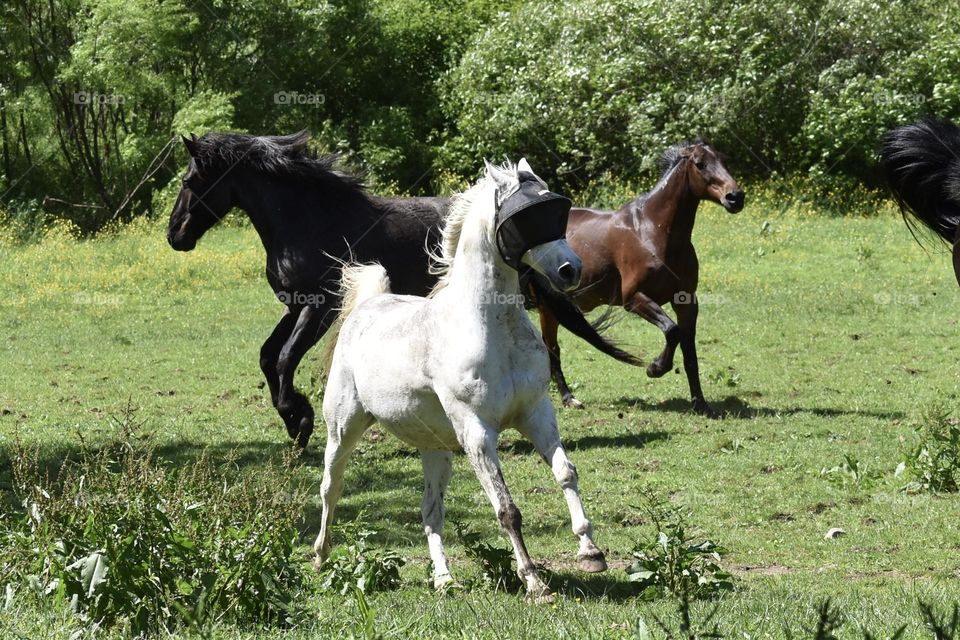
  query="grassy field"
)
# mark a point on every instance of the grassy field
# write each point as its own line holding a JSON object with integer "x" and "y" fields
{"x": 819, "y": 337}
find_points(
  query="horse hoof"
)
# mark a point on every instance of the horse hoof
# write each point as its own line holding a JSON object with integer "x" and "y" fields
{"x": 592, "y": 563}
{"x": 445, "y": 583}
{"x": 544, "y": 596}
{"x": 572, "y": 403}
{"x": 303, "y": 437}
{"x": 656, "y": 371}
{"x": 700, "y": 407}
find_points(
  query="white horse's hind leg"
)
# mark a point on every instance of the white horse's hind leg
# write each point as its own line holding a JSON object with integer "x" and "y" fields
{"x": 540, "y": 428}
{"x": 346, "y": 422}
{"x": 480, "y": 444}
{"x": 437, "y": 466}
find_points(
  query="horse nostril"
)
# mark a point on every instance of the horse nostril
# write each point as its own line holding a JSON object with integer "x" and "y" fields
{"x": 567, "y": 271}
{"x": 734, "y": 199}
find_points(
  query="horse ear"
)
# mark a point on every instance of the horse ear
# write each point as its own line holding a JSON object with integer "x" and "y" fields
{"x": 524, "y": 167}
{"x": 190, "y": 144}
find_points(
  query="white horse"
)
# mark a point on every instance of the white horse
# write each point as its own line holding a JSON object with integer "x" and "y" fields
{"x": 452, "y": 371}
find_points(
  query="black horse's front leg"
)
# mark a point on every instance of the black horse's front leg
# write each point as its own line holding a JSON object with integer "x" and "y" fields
{"x": 293, "y": 406}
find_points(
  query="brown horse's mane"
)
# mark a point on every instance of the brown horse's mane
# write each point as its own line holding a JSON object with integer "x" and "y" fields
{"x": 673, "y": 155}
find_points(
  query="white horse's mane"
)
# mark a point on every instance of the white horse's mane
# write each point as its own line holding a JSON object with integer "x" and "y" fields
{"x": 464, "y": 203}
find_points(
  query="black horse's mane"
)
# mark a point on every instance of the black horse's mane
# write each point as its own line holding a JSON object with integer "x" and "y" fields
{"x": 921, "y": 164}
{"x": 275, "y": 155}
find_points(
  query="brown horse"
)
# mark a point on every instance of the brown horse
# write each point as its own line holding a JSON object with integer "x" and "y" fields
{"x": 641, "y": 257}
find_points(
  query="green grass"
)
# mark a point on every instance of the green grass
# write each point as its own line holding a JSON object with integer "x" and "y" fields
{"x": 819, "y": 336}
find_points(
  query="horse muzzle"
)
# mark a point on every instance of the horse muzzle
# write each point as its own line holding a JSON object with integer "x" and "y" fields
{"x": 733, "y": 201}
{"x": 556, "y": 262}
{"x": 179, "y": 241}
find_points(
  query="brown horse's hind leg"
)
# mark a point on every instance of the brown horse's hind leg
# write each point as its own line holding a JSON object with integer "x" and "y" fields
{"x": 655, "y": 315}
{"x": 687, "y": 312}
{"x": 548, "y": 327}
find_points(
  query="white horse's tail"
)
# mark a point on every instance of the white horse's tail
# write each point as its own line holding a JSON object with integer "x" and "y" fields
{"x": 358, "y": 282}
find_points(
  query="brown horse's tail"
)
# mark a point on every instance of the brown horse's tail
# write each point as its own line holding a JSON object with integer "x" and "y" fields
{"x": 569, "y": 316}
{"x": 358, "y": 282}
{"x": 919, "y": 162}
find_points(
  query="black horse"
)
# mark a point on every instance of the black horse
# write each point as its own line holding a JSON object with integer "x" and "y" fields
{"x": 309, "y": 215}
{"x": 921, "y": 164}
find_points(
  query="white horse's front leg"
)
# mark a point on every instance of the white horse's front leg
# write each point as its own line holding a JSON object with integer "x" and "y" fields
{"x": 479, "y": 442}
{"x": 540, "y": 427}
{"x": 437, "y": 466}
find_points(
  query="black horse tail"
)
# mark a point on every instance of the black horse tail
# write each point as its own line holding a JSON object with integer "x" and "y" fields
{"x": 921, "y": 164}
{"x": 571, "y": 318}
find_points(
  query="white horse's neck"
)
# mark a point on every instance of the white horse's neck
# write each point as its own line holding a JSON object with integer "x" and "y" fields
{"x": 481, "y": 285}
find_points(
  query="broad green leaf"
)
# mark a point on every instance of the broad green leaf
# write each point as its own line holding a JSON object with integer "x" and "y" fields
{"x": 94, "y": 572}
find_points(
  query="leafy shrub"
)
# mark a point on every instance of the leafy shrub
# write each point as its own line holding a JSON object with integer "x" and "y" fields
{"x": 850, "y": 471}
{"x": 672, "y": 564}
{"x": 356, "y": 565}
{"x": 496, "y": 564}
{"x": 122, "y": 538}
{"x": 934, "y": 462}
{"x": 593, "y": 88}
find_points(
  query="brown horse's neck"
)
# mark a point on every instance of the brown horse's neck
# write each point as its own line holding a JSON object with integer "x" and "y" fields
{"x": 670, "y": 209}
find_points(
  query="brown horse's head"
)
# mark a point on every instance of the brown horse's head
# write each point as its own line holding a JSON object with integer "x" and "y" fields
{"x": 709, "y": 179}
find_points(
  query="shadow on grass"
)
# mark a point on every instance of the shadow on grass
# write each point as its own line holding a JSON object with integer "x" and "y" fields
{"x": 592, "y": 586}
{"x": 734, "y": 407}
{"x": 619, "y": 441}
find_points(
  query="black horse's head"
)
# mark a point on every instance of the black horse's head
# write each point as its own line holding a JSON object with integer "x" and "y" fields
{"x": 204, "y": 199}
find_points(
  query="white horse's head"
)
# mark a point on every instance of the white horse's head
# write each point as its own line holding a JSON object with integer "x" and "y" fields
{"x": 530, "y": 226}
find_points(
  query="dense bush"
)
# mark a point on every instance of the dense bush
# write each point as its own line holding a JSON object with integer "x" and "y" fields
{"x": 122, "y": 538}
{"x": 418, "y": 91}
{"x": 600, "y": 87}
{"x": 86, "y": 118}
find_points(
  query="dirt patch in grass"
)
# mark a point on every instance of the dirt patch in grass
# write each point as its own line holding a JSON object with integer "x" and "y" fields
{"x": 761, "y": 570}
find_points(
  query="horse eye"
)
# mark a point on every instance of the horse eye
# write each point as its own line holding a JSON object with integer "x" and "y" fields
{"x": 701, "y": 165}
